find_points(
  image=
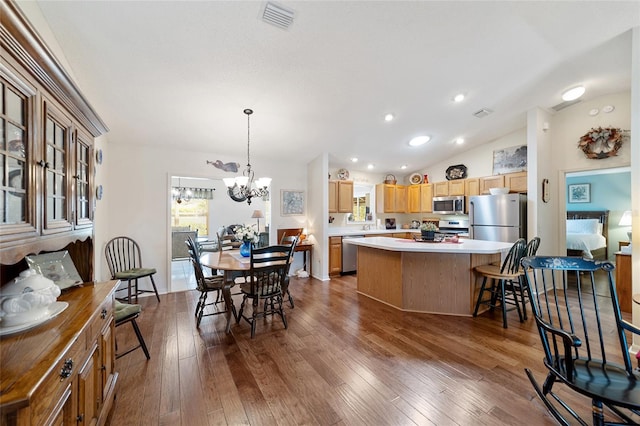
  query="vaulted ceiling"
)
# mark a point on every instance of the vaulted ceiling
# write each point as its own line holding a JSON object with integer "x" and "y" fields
{"x": 180, "y": 73}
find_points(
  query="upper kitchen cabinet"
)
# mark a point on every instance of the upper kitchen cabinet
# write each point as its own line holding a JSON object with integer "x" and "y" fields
{"x": 471, "y": 187}
{"x": 441, "y": 189}
{"x": 517, "y": 182}
{"x": 491, "y": 182}
{"x": 456, "y": 187}
{"x": 391, "y": 198}
{"x": 420, "y": 198}
{"x": 340, "y": 196}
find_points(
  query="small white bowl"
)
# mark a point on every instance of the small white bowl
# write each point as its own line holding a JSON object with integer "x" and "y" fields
{"x": 497, "y": 191}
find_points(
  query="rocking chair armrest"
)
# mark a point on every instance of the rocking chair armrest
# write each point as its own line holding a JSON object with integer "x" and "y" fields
{"x": 569, "y": 341}
{"x": 630, "y": 327}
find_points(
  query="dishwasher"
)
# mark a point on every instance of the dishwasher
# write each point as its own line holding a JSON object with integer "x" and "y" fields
{"x": 349, "y": 255}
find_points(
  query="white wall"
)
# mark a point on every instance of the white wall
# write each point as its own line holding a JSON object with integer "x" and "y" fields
{"x": 139, "y": 196}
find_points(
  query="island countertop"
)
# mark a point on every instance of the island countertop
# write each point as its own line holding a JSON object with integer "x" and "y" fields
{"x": 406, "y": 245}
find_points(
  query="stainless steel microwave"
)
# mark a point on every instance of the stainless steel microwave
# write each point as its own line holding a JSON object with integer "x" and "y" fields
{"x": 448, "y": 205}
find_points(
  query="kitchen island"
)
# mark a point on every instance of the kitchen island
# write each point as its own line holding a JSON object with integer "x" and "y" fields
{"x": 424, "y": 277}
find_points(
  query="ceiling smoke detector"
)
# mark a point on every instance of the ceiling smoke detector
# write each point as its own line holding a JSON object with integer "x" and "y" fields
{"x": 277, "y": 16}
{"x": 482, "y": 113}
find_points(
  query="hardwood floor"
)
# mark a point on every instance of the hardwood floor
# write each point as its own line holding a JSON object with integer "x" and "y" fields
{"x": 344, "y": 360}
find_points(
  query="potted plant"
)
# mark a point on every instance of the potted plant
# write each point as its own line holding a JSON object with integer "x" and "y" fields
{"x": 428, "y": 230}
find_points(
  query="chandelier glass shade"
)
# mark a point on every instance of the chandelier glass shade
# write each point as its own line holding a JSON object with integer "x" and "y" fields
{"x": 244, "y": 188}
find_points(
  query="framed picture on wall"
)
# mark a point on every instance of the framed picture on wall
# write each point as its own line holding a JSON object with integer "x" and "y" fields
{"x": 291, "y": 202}
{"x": 580, "y": 193}
{"x": 509, "y": 160}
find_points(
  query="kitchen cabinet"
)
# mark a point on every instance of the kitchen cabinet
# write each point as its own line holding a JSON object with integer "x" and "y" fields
{"x": 491, "y": 182}
{"x": 335, "y": 256}
{"x": 73, "y": 381}
{"x": 471, "y": 187}
{"x": 413, "y": 199}
{"x": 441, "y": 189}
{"x": 391, "y": 198}
{"x": 456, "y": 187}
{"x": 340, "y": 196}
{"x": 426, "y": 198}
{"x": 517, "y": 182}
{"x": 420, "y": 198}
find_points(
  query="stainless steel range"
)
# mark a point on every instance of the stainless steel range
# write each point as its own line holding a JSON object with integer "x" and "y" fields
{"x": 458, "y": 227}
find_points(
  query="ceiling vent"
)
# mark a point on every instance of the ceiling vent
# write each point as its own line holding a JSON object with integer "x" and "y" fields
{"x": 482, "y": 113}
{"x": 277, "y": 16}
{"x": 563, "y": 105}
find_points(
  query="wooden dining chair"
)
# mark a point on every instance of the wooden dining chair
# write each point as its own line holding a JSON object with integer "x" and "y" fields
{"x": 266, "y": 281}
{"x": 124, "y": 260}
{"x": 506, "y": 283}
{"x": 124, "y": 313}
{"x": 289, "y": 240}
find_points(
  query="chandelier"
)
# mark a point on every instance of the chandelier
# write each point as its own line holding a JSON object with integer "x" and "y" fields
{"x": 243, "y": 187}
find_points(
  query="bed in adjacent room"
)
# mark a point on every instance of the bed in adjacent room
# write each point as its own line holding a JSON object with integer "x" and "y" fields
{"x": 587, "y": 233}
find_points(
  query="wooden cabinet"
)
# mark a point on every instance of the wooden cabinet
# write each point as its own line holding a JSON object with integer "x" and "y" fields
{"x": 420, "y": 198}
{"x": 65, "y": 372}
{"x": 471, "y": 187}
{"x": 46, "y": 198}
{"x": 391, "y": 198}
{"x": 456, "y": 187}
{"x": 623, "y": 281}
{"x": 426, "y": 198}
{"x": 491, "y": 182}
{"x": 413, "y": 199}
{"x": 517, "y": 182}
{"x": 340, "y": 196}
{"x": 441, "y": 189}
{"x": 335, "y": 256}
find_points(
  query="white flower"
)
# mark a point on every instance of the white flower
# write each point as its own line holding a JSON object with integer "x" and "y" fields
{"x": 246, "y": 233}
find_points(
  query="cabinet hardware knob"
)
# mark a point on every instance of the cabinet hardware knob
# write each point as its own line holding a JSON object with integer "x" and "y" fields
{"x": 103, "y": 314}
{"x": 80, "y": 417}
{"x": 67, "y": 369}
{"x": 41, "y": 163}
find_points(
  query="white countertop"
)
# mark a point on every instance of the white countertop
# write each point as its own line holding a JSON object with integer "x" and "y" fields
{"x": 400, "y": 244}
{"x": 336, "y": 232}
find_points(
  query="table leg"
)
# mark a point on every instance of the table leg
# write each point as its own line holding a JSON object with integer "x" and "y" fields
{"x": 226, "y": 295}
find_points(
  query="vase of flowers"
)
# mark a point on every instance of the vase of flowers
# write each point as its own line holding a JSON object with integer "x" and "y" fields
{"x": 248, "y": 235}
{"x": 428, "y": 231}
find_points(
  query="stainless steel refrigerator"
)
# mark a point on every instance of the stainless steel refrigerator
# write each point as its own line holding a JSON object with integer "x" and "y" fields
{"x": 498, "y": 217}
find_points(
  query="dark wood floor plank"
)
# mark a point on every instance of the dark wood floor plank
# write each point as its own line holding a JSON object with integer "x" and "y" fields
{"x": 344, "y": 360}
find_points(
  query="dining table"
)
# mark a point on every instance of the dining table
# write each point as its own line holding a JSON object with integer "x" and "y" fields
{"x": 229, "y": 261}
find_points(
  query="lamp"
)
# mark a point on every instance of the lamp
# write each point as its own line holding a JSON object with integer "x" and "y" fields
{"x": 243, "y": 187}
{"x": 257, "y": 214}
{"x": 625, "y": 220}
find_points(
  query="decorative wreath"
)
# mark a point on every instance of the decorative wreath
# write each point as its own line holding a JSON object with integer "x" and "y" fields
{"x": 602, "y": 142}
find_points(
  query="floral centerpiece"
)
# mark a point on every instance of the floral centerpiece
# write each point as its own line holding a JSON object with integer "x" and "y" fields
{"x": 248, "y": 235}
{"x": 428, "y": 230}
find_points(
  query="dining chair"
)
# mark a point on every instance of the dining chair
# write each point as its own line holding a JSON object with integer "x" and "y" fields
{"x": 530, "y": 250}
{"x": 266, "y": 281}
{"x": 583, "y": 336}
{"x": 289, "y": 240}
{"x": 124, "y": 260}
{"x": 506, "y": 282}
{"x": 127, "y": 313}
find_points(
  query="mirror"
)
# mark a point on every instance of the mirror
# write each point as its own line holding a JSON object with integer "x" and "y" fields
{"x": 362, "y": 203}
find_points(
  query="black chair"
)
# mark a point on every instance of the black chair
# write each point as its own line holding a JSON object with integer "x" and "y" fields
{"x": 505, "y": 288}
{"x": 124, "y": 260}
{"x": 289, "y": 240}
{"x": 532, "y": 246}
{"x": 266, "y": 281}
{"x": 583, "y": 337}
{"x": 530, "y": 250}
{"x": 126, "y": 313}
{"x": 205, "y": 285}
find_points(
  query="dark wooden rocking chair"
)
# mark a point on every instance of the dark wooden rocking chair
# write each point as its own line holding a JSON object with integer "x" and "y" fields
{"x": 583, "y": 337}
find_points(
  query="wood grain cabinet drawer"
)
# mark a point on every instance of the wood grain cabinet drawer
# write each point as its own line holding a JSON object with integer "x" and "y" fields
{"x": 55, "y": 388}
{"x": 100, "y": 319}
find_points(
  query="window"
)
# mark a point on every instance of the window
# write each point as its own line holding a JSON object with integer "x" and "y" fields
{"x": 193, "y": 213}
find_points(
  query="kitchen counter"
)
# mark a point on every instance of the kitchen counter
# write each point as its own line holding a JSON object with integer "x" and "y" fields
{"x": 337, "y": 232}
{"x": 404, "y": 245}
{"x": 436, "y": 278}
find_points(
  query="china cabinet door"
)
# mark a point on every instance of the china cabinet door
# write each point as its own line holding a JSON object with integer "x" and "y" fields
{"x": 83, "y": 174}
{"x": 17, "y": 199}
{"x": 57, "y": 140}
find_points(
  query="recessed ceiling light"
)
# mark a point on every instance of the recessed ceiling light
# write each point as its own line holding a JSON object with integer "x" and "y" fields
{"x": 419, "y": 140}
{"x": 389, "y": 117}
{"x": 354, "y": 160}
{"x": 460, "y": 141}
{"x": 370, "y": 166}
{"x": 573, "y": 93}
{"x": 404, "y": 166}
{"x": 459, "y": 97}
